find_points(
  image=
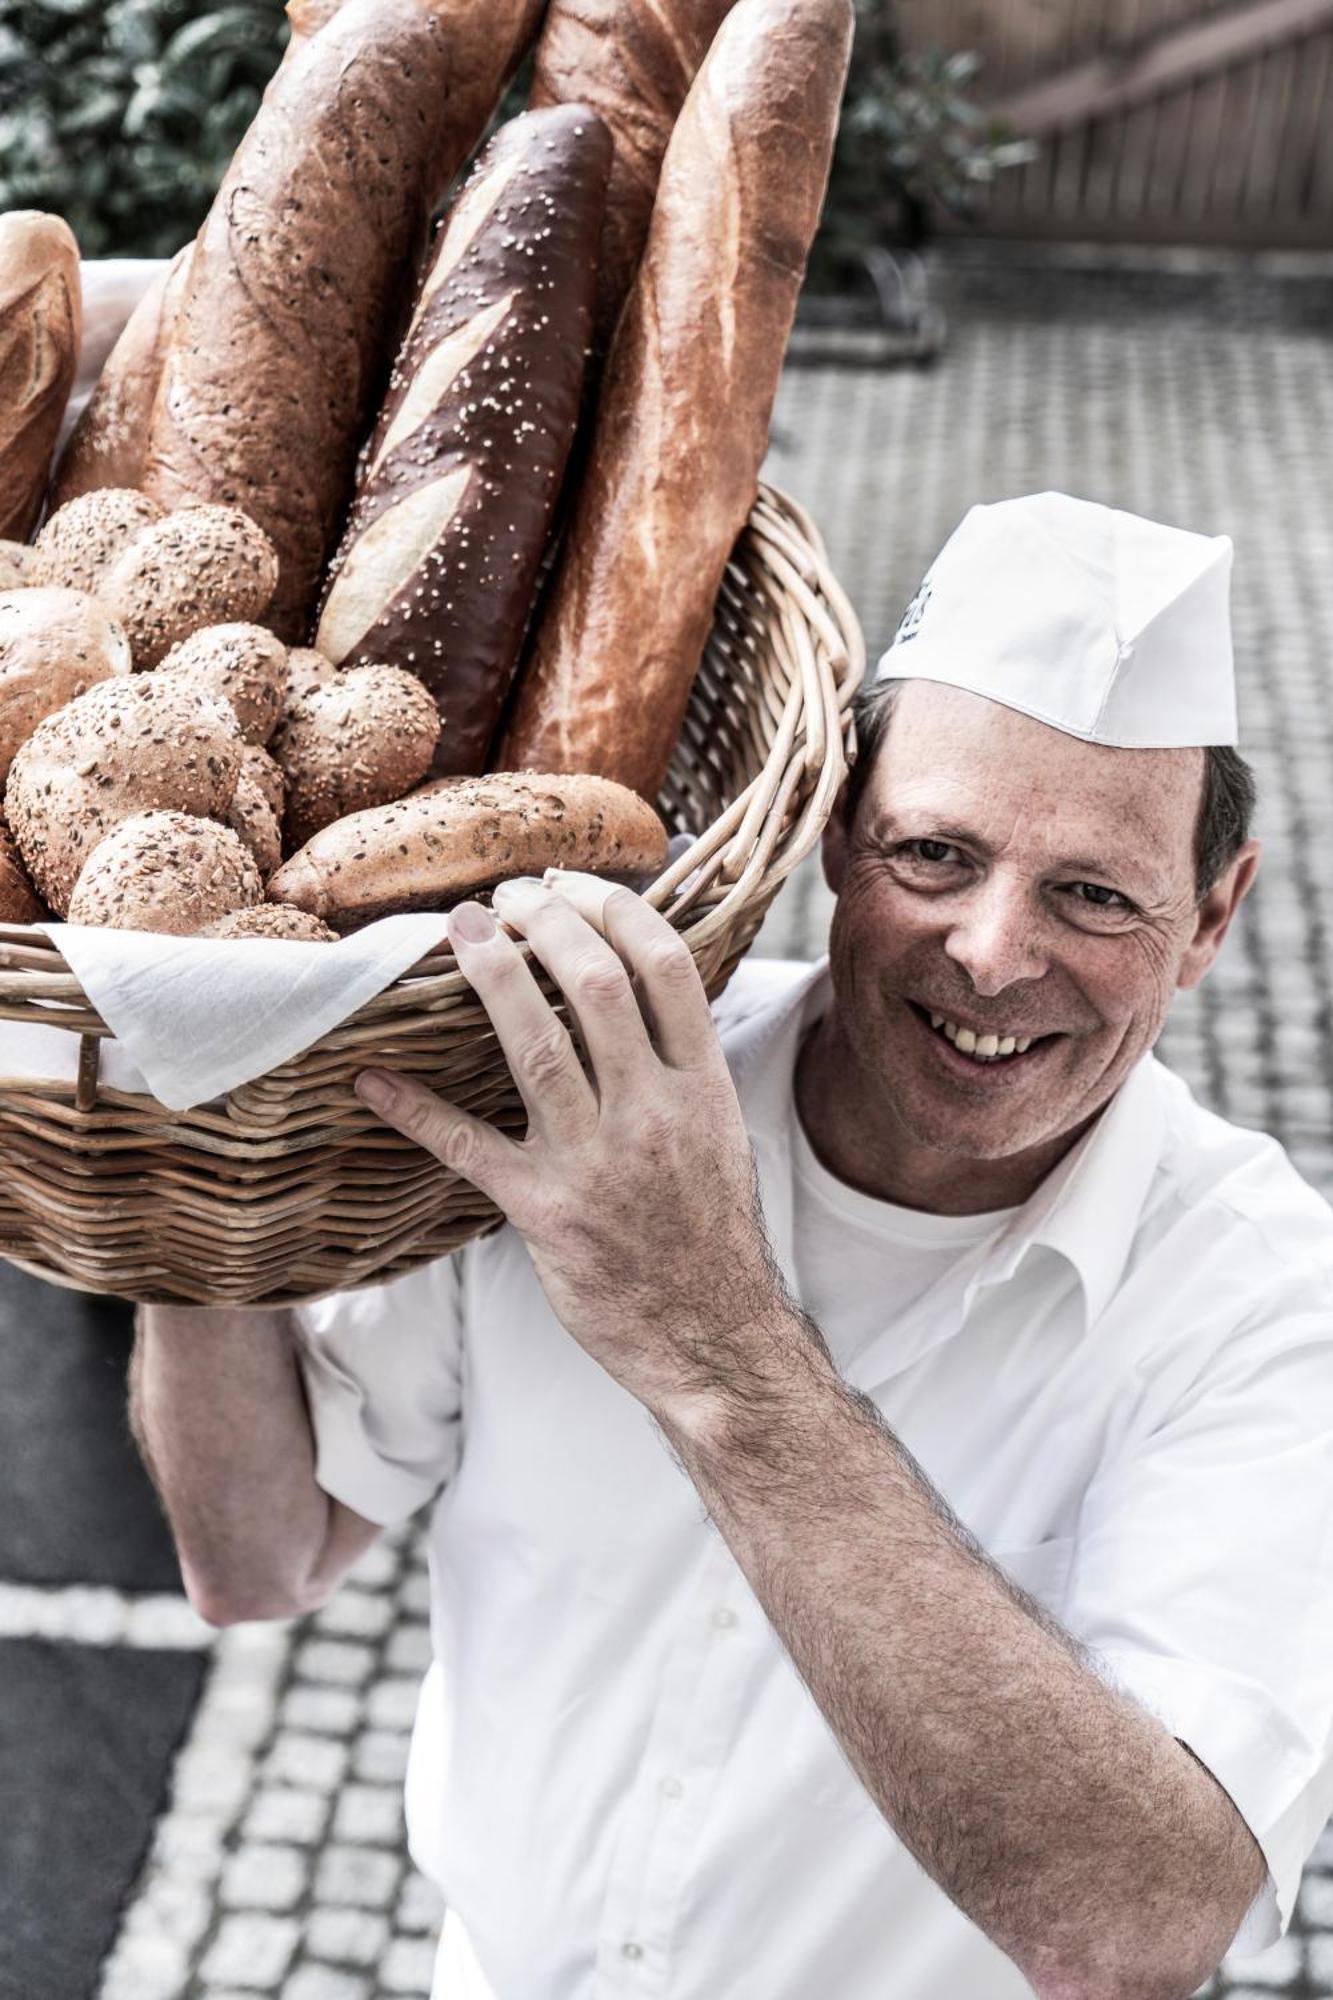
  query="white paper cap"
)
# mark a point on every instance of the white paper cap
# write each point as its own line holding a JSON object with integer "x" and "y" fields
{"x": 1102, "y": 624}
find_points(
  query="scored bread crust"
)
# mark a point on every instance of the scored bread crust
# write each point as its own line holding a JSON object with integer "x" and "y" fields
{"x": 280, "y": 348}
{"x": 633, "y": 62}
{"x": 109, "y": 443}
{"x": 439, "y": 562}
{"x": 688, "y": 394}
{"x": 456, "y": 835}
{"x": 41, "y": 325}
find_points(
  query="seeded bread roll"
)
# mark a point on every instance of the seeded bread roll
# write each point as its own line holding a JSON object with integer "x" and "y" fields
{"x": 683, "y": 424}
{"x": 19, "y": 901}
{"x": 54, "y": 644}
{"x": 439, "y": 562}
{"x": 41, "y": 324}
{"x": 109, "y": 443}
{"x": 244, "y": 664}
{"x": 457, "y": 835}
{"x": 252, "y": 813}
{"x": 164, "y": 871}
{"x": 80, "y": 542}
{"x": 279, "y": 351}
{"x": 633, "y": 61}
{"x": 271, "y": 920}
{"x": 359, "y": 739}
{"x": 15, "y": 565}
{"x": 130, "y": 745}
{"x": 199, "y": 566}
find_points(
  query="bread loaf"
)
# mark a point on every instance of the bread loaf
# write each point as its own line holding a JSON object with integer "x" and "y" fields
{"x": 633, "y": 62}
{"x": 81, "y": 540}
{"x": 109, "y": 443}
{"x": 255, "y": 812}
{"x": 164, "y": 871}
{"x": 357, "y": 740}
{"x": 439, "y": 562}
{"x": 271, "y": 920}
{"x": 456, "y": 835}
{"x": 281, "y": 345}
{"x": 199, "y": 566}
{"x": 41, "y": 323}
{"x": 686, "y": 402}
{"x": 244, "y": 664}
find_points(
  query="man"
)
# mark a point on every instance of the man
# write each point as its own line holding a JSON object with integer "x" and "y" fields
{"x": 914, "y": 1576}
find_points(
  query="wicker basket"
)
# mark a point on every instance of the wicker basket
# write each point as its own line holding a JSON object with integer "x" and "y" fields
{"x": 290, "y": 1187}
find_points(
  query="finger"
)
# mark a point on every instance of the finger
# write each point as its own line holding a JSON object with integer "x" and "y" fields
{"x": 665, "y": 974}
{"x": 543, "y": 1061}
{"x": 466, "y": 1145}
{"x": 590, "y": 975}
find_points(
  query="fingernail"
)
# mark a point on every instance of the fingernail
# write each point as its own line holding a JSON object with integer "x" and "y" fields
{"x": 472, "y": 922}
{"x": 377, "y": 1089}
{"x": 518, "y": 885}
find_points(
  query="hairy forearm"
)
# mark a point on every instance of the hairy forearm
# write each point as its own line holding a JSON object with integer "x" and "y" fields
{"x": 1060, "y": 1817}
{"x": 218, "y": 1411}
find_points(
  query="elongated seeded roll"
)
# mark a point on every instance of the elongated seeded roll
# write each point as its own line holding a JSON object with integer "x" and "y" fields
{"x": 298, "y": 277}
{"x": 109, "y": 443}
{"x": 439, "y": 562}
{"x": 633, "y": 61}
{"x": 686, "y": 402}
{"x": 41, "y": 324}
{"x": 456, "y": 835}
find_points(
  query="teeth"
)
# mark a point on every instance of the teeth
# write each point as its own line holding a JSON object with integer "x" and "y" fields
{"x": 982, "y": 1048}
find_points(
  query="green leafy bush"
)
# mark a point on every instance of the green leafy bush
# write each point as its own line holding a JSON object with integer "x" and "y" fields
{"x": 123, "y": 117}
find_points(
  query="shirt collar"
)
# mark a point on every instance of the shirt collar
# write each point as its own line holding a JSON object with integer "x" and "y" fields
{"x": 1086, "y": 1210}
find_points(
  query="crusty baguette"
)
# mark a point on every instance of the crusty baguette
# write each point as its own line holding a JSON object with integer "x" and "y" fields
{"x": 109, "y": 443}
{"x": 683, "y": 424}
{"x": 283, "y": 337}
{"x": 440, "y": 557}
{"x": 456, "y": 835}
{"x": 633, "y": 61}
{"x": 41, "y": 324}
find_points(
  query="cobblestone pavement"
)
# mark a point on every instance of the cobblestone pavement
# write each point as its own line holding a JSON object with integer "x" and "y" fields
{"x": 279, "y": 1866}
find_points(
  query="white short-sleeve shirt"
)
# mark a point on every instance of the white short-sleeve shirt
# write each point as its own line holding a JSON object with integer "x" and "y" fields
{"x": 618, "y": 1779}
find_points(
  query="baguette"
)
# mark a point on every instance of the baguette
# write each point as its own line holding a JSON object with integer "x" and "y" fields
{"x": 633, "y": 61}
{"x": 440, "y": 558}
{"x": 457, "y": 835}
{"x": 109, "y": 444}
{"x": 683, "y": 425}
{"x": 41, "y": 324}
{"x": 279, "y": 350}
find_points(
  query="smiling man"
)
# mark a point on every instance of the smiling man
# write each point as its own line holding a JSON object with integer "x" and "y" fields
{"x": 882, "y": 1475}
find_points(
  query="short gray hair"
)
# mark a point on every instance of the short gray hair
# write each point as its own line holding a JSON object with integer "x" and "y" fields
{"x": 1226, "y": 804}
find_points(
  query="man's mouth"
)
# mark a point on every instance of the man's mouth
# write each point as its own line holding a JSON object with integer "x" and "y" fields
{"x": 982, "y": 1047}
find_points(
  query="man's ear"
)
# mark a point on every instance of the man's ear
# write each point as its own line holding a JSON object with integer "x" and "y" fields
{"x": 833, "y": 842}
{"x": 1214, "y": 914}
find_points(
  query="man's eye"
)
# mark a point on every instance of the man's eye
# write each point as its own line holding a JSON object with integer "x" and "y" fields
{"x": 1099, "y": 896}
{"x": 930, "y": 850}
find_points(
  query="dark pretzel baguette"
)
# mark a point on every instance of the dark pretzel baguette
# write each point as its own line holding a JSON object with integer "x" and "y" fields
{"x": 438, "y": 565}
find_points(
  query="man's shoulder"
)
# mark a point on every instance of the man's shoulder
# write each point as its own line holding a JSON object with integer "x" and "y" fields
{"x": 759, "y": 987}
{"x": 1242, "y": 1180}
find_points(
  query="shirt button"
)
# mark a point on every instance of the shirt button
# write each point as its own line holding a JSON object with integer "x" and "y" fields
{"x": 724, "y": 1619}
{"x": 631, "y": 1950}
{"x": 672, "y": 1788}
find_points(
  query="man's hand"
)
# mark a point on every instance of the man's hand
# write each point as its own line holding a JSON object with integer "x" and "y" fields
{"x": 634, "y": 1186}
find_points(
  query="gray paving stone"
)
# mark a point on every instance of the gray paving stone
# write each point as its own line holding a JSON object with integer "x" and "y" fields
{"x": 420, "y": 1907}
{"x": 322, "y": 1982}
{"x": 408, "y": 1966}
{"x": 325, "y": 1710}
{"x": 347, "y": 1937}
{"x": 364, "y": 1877}
{"x": 264, "y": 1877}
{"x": 372, "y": 1813}
{"x": 380, "y": 1756}
{"x": 252, "y": 1952}
{"x": 284, "y": 1813}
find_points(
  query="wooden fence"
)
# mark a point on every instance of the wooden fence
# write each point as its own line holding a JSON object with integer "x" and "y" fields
{"x": 1154, "y": 120}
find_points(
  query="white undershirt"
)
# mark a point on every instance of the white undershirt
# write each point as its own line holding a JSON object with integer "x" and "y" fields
{"x": 862, "y": 1262}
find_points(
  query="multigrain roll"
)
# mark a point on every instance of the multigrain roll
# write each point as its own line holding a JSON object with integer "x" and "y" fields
{"x": 199, "y": 566}
{"x": 359, "y": 739}
{"x": 271, "y": 920}
{"x": 458, "y": 835}
{"x": 41, "y": 324}
{"x": 255, "y": 812}
{"x": 130, "y": 745}
{"x": 19, "y": 901}
{"x": 244, "y": 664}
{"x": 54, "y": 644}
{"x": 164, "y": 871}
{"x": 81, "y": 541}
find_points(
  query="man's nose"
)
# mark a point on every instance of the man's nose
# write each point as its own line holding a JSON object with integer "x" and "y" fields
{"x": 995, "y": 937}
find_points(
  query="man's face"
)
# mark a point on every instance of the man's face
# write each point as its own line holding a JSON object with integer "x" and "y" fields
{"x": 1013, "y": 882}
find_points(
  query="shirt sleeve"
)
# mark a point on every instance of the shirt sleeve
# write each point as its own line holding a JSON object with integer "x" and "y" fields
{"x": 382, "y": 1369}
{"x": 1203, "y": 1587}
